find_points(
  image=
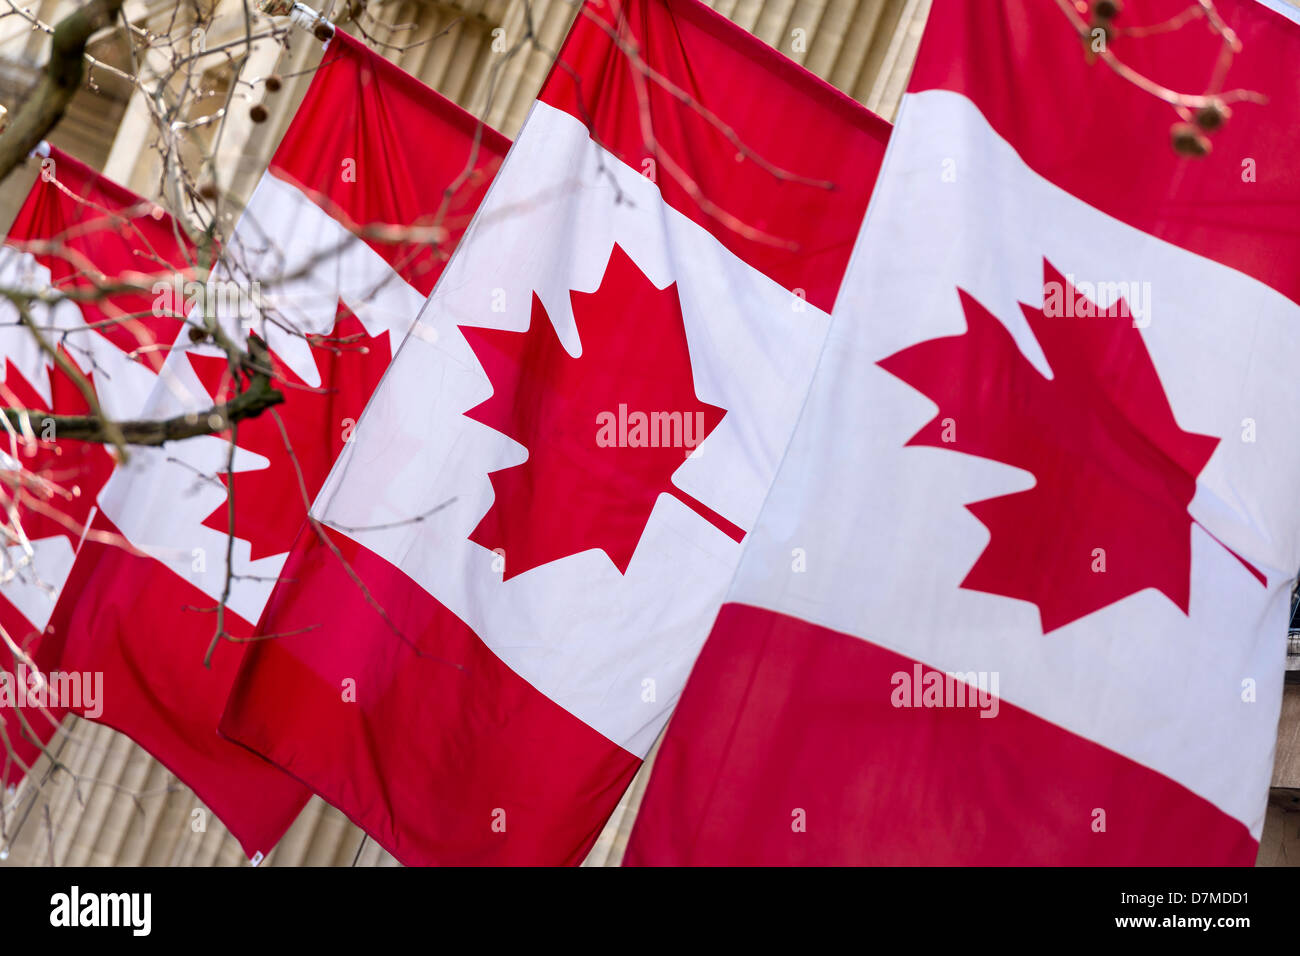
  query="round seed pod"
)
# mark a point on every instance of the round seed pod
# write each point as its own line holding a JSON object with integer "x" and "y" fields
{"x": 1212, "y": 116}
{"x": 1188, "y": 140}
{"x": 1107, "y": 9}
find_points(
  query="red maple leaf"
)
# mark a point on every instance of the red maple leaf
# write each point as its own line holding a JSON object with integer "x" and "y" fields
{"x": 70, "y": 473}
{"x": 579, "y": 490}
{"x": 268, "y": 502}
{"x": 1115, "y": 473}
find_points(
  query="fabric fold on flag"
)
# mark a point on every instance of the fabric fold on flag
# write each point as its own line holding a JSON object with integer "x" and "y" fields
{"x": 1019, "y": 592}
{"x": 527, "y": 538}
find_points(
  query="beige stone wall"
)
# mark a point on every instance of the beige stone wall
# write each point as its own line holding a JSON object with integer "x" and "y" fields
{"x": 109, "y": 803}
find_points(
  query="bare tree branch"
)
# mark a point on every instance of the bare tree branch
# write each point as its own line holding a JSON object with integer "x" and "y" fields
{"x": 255, "y": 399}
{"x": 45, "y": 104}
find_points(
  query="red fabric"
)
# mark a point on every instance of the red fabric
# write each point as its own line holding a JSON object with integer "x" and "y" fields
{"x": 440, "y": 739}
{"x": 78, "y": 224}
{"x": 539, "y": 386}
{"x": 102, "y": 227}
{"x": 773, "y": 118}
{"x": 265, "y": 516}
{"x": 25, "y": 730}
{"x": 1119, "y": 464}
{"x": 77, "y": 470}
{"x": 365, "y": 116}
{"x": 1105, "y": 141}
{"x": 781, "y": 715}
{"x": 147, "y": 628}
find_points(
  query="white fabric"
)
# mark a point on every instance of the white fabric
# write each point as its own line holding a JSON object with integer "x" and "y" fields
{"x": 122, "y": 386}
{"x": 305, "y": 262}
{"x": 888, "y": 539}
{"x": 579, "y": 631}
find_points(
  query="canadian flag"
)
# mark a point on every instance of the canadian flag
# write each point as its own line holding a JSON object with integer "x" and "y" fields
{"x": 81, "y": 236}
{"x": 525, "y": 544}
{"x": 1019, "y": 592}
{"x": 345, "y": 235}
